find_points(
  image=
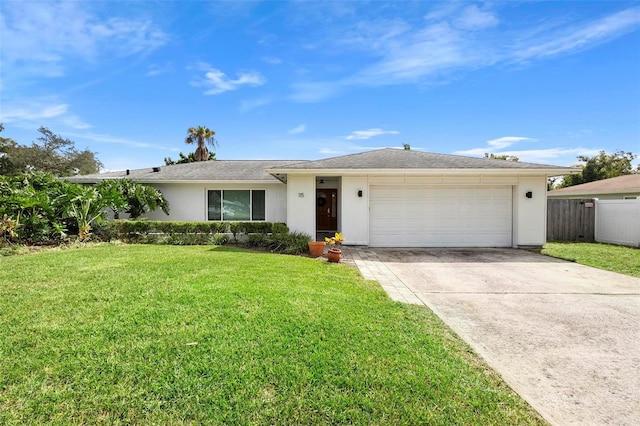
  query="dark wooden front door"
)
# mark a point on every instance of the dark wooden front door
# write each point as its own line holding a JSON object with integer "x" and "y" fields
{"x": 326, "y": 209}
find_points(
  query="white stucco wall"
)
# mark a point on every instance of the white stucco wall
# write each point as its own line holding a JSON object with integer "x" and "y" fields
{"x": 301, "y": 206}
{"x": 355, "y": 210}
{"x": 188, "y": 201}
{"x": 294, "y": 203}
{"x": 530, "y": 214}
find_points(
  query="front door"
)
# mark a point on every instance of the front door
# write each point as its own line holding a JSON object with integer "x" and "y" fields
{"x": 327, "y": 209}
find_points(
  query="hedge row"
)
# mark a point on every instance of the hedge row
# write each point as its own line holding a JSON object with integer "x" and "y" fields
{"x": 134, "y": 229}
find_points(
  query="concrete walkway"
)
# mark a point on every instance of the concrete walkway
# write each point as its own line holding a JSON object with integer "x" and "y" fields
{"x": 372, "y": 268}
{"x": 566, "y": 337}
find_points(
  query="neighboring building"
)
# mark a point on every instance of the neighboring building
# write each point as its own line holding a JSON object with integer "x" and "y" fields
{"x": 617, "y": 188}
{"x": 382, "y": 198}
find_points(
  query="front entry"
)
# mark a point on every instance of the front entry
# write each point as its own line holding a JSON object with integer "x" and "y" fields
{"x": 327, "y": 209}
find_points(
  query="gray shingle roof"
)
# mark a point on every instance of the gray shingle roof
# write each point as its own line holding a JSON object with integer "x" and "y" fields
{"x": 391, "y": 158}
{"x": 620, "y": 184}
{"x": 217, "y": 170}
{"x": 256, "y": 170}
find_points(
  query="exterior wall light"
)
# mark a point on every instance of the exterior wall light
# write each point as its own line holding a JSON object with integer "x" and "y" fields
{"x": 529, "y": 194}
{"x": 360, "y": 193}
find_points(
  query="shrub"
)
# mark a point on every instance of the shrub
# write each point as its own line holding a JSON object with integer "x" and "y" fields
{"x": 279, "y": 228}
{"x": 183, "y": 233}
{"x": 281, "y": 242}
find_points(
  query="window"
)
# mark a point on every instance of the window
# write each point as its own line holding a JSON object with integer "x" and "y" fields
{"x": 236, "y": 205}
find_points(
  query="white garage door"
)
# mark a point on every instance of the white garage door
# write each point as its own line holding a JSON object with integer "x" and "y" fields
{"x": 437, "y": 216}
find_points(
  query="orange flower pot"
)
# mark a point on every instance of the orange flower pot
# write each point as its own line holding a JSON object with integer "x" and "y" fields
{"x": 316, "y": 248}
{"x": 334, "y": 255}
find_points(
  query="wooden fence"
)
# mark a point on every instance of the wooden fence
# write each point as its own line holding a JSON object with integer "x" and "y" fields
{"x": 571, "y": 220}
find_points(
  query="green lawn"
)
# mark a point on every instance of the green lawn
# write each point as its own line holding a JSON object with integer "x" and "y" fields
{"x": 625, "y": 260}
{"x": 147, "y": 334}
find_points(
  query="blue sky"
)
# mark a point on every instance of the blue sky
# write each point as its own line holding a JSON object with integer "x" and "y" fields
{"x": 545, "y": 81}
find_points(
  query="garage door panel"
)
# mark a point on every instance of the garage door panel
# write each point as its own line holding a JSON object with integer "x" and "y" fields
{"x": 428, "y": 216}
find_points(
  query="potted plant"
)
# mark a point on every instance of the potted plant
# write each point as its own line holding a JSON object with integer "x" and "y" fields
{"x": 334, "y": 253}
{"x": 316, "y": 248}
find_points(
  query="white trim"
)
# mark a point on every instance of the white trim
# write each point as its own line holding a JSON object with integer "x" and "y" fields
{"x": 428, "y": 172}
{"x": 206, "y": 203}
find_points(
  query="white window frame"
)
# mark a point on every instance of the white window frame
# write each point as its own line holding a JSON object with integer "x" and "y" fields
{"x": 222, "y": 218}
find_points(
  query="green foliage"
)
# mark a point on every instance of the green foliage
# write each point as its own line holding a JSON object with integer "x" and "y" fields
{"x": 281, "y": 242}
{"x": 191, "y": 158}
{"x": 601, "y": 166}
{"x": 504, "y": 157}
{"x": 201, "y": 136}
{"x": 86, "y": 208}
{"x": 44, "y": 209}
{"x": 272, "y": 236}
{"x": 237, "y": 228}
{"x": 40, "y": 204}
{"x": 144, "y": 230}
{"x": 279, "y": 228}
{"x": 125, "y": 195}
{"x": 51, "y": 154}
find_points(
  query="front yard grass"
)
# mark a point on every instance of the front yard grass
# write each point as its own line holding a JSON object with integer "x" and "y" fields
{"x": 189, "y": 335}
{"x": 621, "y": 259}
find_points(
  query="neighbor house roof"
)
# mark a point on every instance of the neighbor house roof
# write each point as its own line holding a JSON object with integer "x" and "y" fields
{"x": 215, "y": 170}
{"x": 400, "y": 159}
{"x": 617, "y": 185}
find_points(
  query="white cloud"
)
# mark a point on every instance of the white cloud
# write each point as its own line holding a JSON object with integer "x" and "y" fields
{"x": 216, "y": 82}
{"x": 97, "y": 137}
{"x": 561, "y": 156}
{"x": 367, "y": 134}
{"x": 155, "y": 70}
{"x": 33, "y": 113}
{"x": 472, "y": 18}
{"x": 315, "y": 91}
{"x": 40, "y": 37}
{"x": 494, "y": 146}
{"x": 580, "y": 36}
{"x": 272, "y": 60}
{"x": 298, "y": 129}
{"x": 506, "y": 141}
{"x": 454, "y": 38}
{"x": 250, "y": 104}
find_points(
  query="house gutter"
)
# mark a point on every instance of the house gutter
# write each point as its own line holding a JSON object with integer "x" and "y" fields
{"x": 279, "y": 173}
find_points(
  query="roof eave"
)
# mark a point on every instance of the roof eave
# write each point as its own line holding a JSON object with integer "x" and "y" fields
{"x": 457, "y": 171}
{"x": 184, "y": 181}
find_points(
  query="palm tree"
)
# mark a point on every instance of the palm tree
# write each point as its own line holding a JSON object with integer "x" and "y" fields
{"x": 202, "y": 136}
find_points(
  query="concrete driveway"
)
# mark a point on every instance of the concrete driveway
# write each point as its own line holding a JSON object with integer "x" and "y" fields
{"x": 566, "y": 337}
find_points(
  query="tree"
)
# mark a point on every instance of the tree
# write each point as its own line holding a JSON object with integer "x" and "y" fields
{"x": 406, "y": 147}
{"x": 50, "y": 154}
{"x": 502, "y": 157}
{"x": 201, "y": 136}
{"x": 168, "y": 161}
{"x": 601, "y": 166}
{"x": 7, "y": 148}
